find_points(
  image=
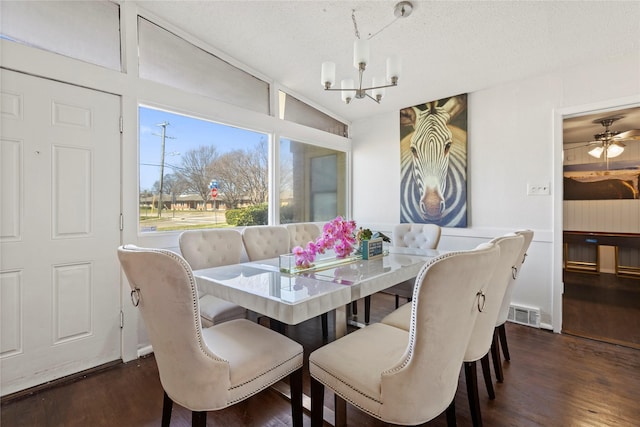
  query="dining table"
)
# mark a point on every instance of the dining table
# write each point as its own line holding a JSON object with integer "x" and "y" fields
{"x": 292, "y": 297}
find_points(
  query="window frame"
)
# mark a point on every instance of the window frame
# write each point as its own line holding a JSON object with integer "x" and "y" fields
{"x": 199, "y": 107}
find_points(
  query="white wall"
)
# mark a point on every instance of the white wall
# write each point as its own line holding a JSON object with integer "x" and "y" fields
{"x": 514, "y": 137}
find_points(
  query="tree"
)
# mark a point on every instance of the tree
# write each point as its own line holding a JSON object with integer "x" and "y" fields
{"x": 230, "y": 187}
{"x": 257, "y": 180}
{"x": 242, "y": 175}
{"x": 171, "y": 184}
{"x": 196, "y": 171}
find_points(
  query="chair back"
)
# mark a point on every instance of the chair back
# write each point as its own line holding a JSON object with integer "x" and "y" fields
{"x": 506, "y": 302}
{"x": 302, "y": 233}
{"x": 420, "y": 236}
{"x": 190, "y": 373}
{"x": 265, "y": 241}
{"x": 510, "y": 246}
{"x": 443, "y": 313}
{"x": 211, "y": 247}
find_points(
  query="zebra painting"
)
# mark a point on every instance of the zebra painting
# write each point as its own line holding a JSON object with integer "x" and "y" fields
{"x": 433, "y": 163}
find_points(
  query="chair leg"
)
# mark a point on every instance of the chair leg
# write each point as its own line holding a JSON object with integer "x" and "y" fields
{"x": 471, "y": 377}
{"x": 397, "y": 301}
{"x": 277, "y": 326}
{"x": 367, "y": 309}
{"x": 295, "y": 384}
{"x": 317, "y": 403}
{"x": 198, "y": 419}
{"x": 486, "y": 372}
{"x": 354, "y": 307}
{"x": 495, "y": 355}
{"x": 167, "y": 406}
{"x": 325, "y": 325}
{"x": 502, "y": 332}
{"x": 451, "y": 414}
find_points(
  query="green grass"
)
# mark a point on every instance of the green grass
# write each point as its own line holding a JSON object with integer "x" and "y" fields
{"x": 193, "y": 227}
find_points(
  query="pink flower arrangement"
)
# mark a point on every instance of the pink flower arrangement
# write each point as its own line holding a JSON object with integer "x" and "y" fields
{"x": 337, "y": 234}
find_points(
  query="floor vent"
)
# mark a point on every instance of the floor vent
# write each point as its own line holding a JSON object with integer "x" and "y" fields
{"x": 524, "y": 315}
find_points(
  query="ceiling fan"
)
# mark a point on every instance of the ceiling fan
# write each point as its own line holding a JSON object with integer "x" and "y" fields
{"x": 610, "y": 142}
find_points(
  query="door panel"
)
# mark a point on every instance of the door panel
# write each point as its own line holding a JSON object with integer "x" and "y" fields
{"x": 59, "y": 224}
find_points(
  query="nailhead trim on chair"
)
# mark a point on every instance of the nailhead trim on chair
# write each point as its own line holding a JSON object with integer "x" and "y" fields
{"x": 261, "y": 375}
{"x": 194, "y": 294}
{"x": 396, "y": 368}
{"x": 412, "y": 337}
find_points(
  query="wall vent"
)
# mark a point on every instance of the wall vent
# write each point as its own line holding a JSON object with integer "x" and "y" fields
{"x": 524, "y": 315}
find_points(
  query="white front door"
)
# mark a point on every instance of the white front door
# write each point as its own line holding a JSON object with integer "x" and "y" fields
{"x": 59, "y": 230}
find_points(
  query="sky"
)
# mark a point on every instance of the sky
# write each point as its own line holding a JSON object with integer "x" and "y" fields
{"x": 183, "y": 134}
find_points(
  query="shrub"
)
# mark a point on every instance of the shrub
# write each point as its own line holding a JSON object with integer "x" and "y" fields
{"x": 251, "y": 215}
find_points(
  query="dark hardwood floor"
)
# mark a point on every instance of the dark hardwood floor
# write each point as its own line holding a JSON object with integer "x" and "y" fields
{"x": 552, "y": 380}
{"x": 603, "y": 307}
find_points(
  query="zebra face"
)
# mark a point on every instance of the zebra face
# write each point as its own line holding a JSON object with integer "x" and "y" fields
{"x": 430, "y": 145}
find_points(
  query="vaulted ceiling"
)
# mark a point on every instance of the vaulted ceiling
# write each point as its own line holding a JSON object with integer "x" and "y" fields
{"x": 447, "y": 47}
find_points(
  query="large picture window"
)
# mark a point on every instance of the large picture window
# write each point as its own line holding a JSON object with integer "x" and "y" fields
{"x": 312, "y": 182}
{"x": 196, "y": 173}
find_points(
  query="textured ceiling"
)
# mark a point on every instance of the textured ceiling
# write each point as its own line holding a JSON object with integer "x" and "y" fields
{"x": 447, "y": 47}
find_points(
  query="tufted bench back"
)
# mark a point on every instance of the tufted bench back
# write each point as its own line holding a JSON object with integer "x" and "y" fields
{"x": 265, "y": 241}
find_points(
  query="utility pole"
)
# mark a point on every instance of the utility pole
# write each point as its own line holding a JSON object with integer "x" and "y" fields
{"x": 163, "y": 125}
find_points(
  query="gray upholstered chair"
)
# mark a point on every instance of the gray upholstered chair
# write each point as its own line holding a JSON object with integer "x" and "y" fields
{"x": 265, "y": 241}
{"x": 212, "y": 248}
{"x": 204, "y": 369}
{"x": 482, "y": 337}
{"x": 409, "y": 377}
{"x": 500, "y": 334}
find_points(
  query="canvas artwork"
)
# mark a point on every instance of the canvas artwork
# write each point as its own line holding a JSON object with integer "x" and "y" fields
{"x": 594, "y": 182}
{"x": 433, "y": 162}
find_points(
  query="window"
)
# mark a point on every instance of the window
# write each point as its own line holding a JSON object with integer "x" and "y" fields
{"x": 294, "y": 110}
{"x": 168, "y": 59}
{"x": 312, "y": 182}
{"x": 196, "y": 173}
{"x": 85, "y": 30}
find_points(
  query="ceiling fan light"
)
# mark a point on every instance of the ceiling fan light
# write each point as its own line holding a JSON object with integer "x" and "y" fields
{"x": 614, "y": 150}
{"x": 596, "y": 152}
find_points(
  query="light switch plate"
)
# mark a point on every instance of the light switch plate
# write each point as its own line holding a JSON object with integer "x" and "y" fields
{"x": 538, "y": 189}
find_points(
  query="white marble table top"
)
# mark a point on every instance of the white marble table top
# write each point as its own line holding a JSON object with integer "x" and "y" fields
{"x": 291, "y": 299}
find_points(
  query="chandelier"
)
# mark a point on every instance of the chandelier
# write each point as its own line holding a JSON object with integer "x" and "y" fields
{"x": 376, "y": 91}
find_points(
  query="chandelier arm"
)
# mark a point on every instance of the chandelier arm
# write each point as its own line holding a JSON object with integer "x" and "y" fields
{"x": 381, "y": 87}
{"x": 372, "y": 98}
{"x": 337, "y": 89}
{"x": 361, "y": 56}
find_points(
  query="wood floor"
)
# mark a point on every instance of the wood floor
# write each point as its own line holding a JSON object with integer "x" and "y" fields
{"x": 602, "y": 306}
{"x": 552, "y": 380}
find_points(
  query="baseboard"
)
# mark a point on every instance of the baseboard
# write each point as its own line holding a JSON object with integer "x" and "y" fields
{"x": 144, "y": 351}
{"x": 58, "y": 382}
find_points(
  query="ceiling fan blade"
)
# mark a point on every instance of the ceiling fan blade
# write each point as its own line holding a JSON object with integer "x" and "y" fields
{"x": 631, "y": 134}
{"x": 590, "y": 144}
